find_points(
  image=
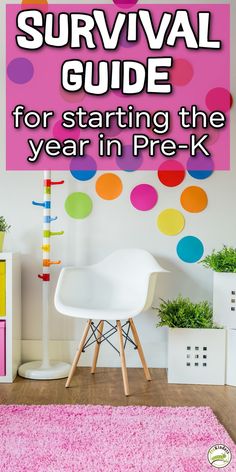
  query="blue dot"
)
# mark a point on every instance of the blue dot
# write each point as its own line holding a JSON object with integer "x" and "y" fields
{"x": 200, "y": 174}
{"x": 190, "y": 249}
{"x": 83, "y": 174}
{"x": 83, "y": 168}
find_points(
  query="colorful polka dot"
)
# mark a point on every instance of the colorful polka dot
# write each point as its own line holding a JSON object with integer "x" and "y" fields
{"x": 213, "y": 134}
{"x": 219, "y": 99}
{"x": 200, "y": 167}
{"x": 171, "y": 173}
{"x": 190, "y": 249}
{"x": 109, "y": 186}
{"x": 128, "y": 162}
{"x": 126, "y": 44}
{"x": 144, "y": 197}
{"x": 33, "y": 2}
{"x": 182, "y": 72}
{"x": 194, "y": 199}
{"x": 170, "y": 222}
{"x": 125, "y": 3}
{"x": 83, "y": 168}
{"x": 72, "y": 97}
{"x": 20, "y": 70}
{"x": 78, "y": 205}
{"x": 61, "y": 133}
{"x": 113, "y": 130}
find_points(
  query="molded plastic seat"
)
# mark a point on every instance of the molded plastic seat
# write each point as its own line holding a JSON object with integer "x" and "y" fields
{"x": 121, "y": 286}
{"x": 118, "y": 288}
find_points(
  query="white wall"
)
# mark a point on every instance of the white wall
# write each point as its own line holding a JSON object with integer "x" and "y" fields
{"x": 112, "y": 225}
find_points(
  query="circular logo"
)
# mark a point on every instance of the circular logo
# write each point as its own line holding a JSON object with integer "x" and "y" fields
{"x": 219, "y": 456}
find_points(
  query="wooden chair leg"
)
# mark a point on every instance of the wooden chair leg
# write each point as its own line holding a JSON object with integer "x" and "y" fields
{"x": 123, "y": 362}
{"x": 140, "y": 349}
{"x": 78, "y": 353}
{"x": 97, "y": 347}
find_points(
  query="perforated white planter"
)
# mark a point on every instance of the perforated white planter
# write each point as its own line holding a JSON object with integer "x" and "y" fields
{"x": 196, "y": 356}
{"x": 224, "y": 299}
{"x": 231, "y": 357}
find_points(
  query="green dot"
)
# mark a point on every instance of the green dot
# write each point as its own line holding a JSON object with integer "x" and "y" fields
{"x": 78, "y": 205}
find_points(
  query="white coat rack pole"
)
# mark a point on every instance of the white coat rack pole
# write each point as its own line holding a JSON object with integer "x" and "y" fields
{"x": 46, "y": 248}
{"x": 46, "y": 369}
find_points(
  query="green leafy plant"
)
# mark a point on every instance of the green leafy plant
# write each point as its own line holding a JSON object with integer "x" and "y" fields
{"x": 182, "y": 313}
{"x": 221, "y": 261}
{"x": 4, "y": 227}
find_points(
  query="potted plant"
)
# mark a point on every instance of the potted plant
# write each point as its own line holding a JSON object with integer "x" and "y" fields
{"x": 4, "y": 227}
{"x": 196, "y": 346}
{"x": 223, "y": 264}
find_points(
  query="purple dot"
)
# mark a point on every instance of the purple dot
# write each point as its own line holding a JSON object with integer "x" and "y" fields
{"x": 112, "y": 131}
{"x": 143, "y": 197}
{"x": 128, "y": 162}
{"x": 20, "y": 70}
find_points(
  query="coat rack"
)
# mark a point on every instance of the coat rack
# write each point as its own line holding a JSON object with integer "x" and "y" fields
{"x": 46, "y": 369}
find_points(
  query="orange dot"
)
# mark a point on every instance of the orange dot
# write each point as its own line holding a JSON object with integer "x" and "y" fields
{"x": 109, "y": 186}
{"x": 42, "y": 4}
{"x": 33, "y": 2}
{"x": 194, "y": 199}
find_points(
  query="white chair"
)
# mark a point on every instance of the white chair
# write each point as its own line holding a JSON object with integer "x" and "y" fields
{"x": 118, "y": 288}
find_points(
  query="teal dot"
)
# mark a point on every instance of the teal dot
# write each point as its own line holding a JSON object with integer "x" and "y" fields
{"x": 190, "y": 249}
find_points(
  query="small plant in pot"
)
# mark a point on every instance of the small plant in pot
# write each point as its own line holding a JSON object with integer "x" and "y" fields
{"x": 4, "y": 228}
{"x": 196, "y": 346}
{"x": 182, "y": 313}
{"x": 223, "y": 265}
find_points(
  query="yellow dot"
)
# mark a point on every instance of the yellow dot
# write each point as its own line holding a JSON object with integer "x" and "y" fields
{"x": 170, "y": 222}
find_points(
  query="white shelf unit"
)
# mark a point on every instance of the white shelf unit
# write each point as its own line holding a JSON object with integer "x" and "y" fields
{"x": 13, "y": 315}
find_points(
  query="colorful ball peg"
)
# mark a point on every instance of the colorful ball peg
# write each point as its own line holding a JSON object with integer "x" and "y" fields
{"x": 45, "y": 247}
{"x": 46, "y": 204}
{"x": 44, "y": 277}
{"x": 59, "y": 182}
{"x": 48, "y": 263}
{"x": 56, "y": 233}
{"x": 48, "y": 219}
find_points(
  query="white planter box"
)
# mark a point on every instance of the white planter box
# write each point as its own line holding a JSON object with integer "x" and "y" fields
{"x": 196, "y": 356}
{"x": 231, "y": 357}
{"x": 224, "y": 299}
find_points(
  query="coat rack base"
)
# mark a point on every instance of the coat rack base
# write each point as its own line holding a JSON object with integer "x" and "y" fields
{"x": 37, "y": 371}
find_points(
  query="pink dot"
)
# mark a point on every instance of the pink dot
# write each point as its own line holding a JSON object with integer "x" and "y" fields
{"x": 125, "y": 3}
{"x": 72, "y": 97}
{"x": 219, "y": 99}
{"x": 182, "y": 72}
{"x": 61, "y": 133}
{"x": 144, "y": 197}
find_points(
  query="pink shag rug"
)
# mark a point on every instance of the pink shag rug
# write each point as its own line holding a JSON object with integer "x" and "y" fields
{"x": 75, "y": 438}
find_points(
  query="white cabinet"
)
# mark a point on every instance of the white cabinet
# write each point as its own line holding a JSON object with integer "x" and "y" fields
{"x": 224, "y": 299}
{"x": 10, "y": 314}
{"x": 196, "y": 356}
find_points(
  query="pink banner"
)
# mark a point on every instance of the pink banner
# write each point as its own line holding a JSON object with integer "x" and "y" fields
{"x": 158, "y": 81}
